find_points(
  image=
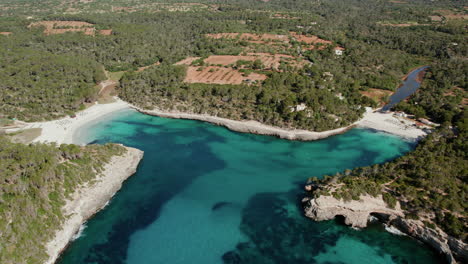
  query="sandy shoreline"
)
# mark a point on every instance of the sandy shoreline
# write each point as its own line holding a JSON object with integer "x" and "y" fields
{"x": 385, "y": 122}
{"x": 65, "y": 130}
{"x": 88, "y": 200}
{"x": 62, "y": 130}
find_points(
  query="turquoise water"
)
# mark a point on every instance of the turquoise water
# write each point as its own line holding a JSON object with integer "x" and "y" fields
{"x": 203, "y": 194}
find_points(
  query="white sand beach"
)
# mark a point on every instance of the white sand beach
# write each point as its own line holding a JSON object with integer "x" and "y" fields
{"x": 89, "y": 199}
{"x": 389, "y": 123}
{"x": 62, "y": 130}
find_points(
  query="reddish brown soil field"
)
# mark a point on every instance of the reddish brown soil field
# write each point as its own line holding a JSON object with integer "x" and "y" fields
{"x": 253, "y": 38}
{"x": 311, "y": 42}
{"x": 105, "y": 32}
{"x": 220, "y": 75}
{"x": 456, "y": 16}
{"x": 309, "y": 39}
{"x": 269, "y": 61}
{"x": 376, "y": 94}
{"x": 6, "y": 33}
{"x": 60, "y": 27}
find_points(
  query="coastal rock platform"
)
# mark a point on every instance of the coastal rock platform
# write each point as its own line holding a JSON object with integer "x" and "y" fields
{"x": 356, "y": 213}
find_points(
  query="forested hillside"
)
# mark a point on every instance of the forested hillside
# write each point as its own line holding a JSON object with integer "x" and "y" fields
{"x": 430, "y": 182}
{"x": 376, "y": 54}
{"x": 35, "y": 180}
{"x": 38, "y": 85}
{"x": 272, "y": 103}
{"x": 45, "y": 76}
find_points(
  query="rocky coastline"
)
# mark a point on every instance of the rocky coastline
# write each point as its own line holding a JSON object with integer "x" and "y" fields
{"x": 250, "y": 126}
{"x": 357, "y": 214}
{"x": 372, "y": 119}
{"x": 89, "y": 199}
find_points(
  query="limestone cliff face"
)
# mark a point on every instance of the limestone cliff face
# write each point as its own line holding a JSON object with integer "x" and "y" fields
{"x": 356, "y": 214}
{"x": 90, "y": 198}
{"x": 450, "y": 247}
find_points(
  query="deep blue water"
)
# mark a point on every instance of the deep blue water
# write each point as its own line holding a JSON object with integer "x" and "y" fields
{"x": 203, "y": 194}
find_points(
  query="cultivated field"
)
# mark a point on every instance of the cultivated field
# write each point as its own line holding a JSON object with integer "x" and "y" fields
{"x": 252, "y": 38}
{"x": 220, "y": 75}
{"x": 269, "y": 61}
{"x": 60, "y": 27}
{"x": 309, "y": 39}
{"x": 309, "y": 42}
{"x": 228, "y": 69}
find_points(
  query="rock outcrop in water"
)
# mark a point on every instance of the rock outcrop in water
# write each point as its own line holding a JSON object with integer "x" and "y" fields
{"x": 357, "y": 213}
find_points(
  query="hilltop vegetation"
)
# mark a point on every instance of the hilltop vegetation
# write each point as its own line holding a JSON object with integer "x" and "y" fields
{"x": 35, "y": 182}
{"x": 274, "y": 102}
{"x": 431, "y": 182}
{"x": 39, "y": 85}
{"x": 46, "y": 76}
{"x": 147, "y": 32}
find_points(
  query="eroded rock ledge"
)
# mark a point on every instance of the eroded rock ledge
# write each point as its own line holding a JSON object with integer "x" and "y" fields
{"x": 357, "y": 213}
{"x": 90, "y": 198}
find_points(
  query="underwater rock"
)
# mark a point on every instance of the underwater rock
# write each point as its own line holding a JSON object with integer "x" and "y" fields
{"x": 219, "y": 205}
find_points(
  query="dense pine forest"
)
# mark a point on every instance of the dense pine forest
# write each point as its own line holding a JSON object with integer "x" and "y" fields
{"x": 431, "y": 181}
{"x": 48, "y": 73}
{"x": 376, "y": 56}
{"x": 35, "y": 182}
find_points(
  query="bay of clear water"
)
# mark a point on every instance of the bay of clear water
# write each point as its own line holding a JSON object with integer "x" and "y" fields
{"x": 204, "y": 194}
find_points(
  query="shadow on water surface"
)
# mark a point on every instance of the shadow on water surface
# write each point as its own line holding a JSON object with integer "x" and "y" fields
{"x": 135, "y": 211}
{"x": 278, "y": 234}
{"x": 178, "y": 152}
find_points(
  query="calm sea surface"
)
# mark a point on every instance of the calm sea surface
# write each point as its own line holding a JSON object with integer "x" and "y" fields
{"x": 206, "y": 195}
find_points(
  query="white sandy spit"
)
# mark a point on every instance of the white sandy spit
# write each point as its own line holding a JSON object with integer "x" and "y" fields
{"x": 89, "y": 199}
{"x": 62, "y": 130}
{"x": 385, "y": 122}
{"x": 388, "y": 122}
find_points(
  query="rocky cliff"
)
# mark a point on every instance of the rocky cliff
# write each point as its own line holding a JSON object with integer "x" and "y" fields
{"x": 92, "y": 197}
{"x": 357, "y": 213}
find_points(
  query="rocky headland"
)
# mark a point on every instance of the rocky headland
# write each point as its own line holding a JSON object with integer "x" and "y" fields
{"x": 89, "y": 199}
{"x": 356, "y": 213}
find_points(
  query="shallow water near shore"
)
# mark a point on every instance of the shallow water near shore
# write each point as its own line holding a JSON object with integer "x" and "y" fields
{"x": 204, "y": 194}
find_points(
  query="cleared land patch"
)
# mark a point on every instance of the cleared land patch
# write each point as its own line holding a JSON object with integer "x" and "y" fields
{"x": 220, "y": 75}
{"x": 234, "y": 69}
{"x": 252, "y": 38}
{"x": 378, "y": 95}
{"x": 269, "y": 61}
{"x": 61, "y": 27}
{"x": 308, "y": 42}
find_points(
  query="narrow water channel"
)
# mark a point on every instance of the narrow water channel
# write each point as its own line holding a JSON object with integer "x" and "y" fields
{"x": 409, "y": 86}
